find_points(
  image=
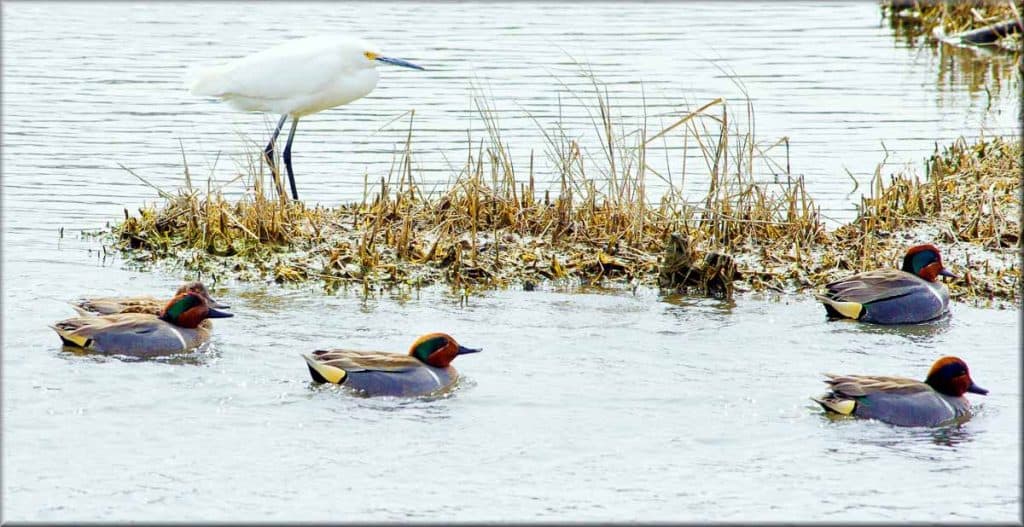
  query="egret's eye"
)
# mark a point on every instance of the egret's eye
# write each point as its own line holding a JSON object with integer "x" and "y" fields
{"x": 370, "y": 55}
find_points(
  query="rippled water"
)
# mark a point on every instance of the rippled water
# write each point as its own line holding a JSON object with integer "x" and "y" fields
{"x": 604, "y": 405}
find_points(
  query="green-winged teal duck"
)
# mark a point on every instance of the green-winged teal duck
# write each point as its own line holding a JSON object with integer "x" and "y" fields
{"x": 424, "y": 370}
{"x": 908, "y": 295}
{"x": 904, "y": 402}
{"x": 177, "y": 328}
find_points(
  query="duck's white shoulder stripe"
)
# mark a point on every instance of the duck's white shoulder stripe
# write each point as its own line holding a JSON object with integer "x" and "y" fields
{"x": 434, "y": 375}
{"x": 951, "y": 409}
{"x": 181, "y": 339}
{"x": 935, "y": 291}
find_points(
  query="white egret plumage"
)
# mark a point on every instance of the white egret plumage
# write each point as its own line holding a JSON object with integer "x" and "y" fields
{"x": 296, "y": 78}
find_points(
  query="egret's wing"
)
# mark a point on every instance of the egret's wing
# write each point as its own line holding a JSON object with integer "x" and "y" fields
{"x": 873, "y": 286}
{"x": 351, "y": 361}
{"x": 297, "y": 68}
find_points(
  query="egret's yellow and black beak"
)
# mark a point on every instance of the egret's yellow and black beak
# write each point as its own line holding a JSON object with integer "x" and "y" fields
{"x": 398, "y": 62}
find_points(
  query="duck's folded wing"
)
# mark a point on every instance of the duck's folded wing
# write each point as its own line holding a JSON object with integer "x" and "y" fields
{"x": 352, "y": 361}
{"x": 127, "y": 323}
{"x": 849, "y": 391}
{"x": 81, "y": 331}
{"x": 863, "y": 385}
{"x": 872, "y": 286}
{"x": 111, "y": 306}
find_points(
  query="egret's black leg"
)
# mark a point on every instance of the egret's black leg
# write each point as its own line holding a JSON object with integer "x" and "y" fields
{"x": 288, "y": 158}
{"x": 269, "y": 150}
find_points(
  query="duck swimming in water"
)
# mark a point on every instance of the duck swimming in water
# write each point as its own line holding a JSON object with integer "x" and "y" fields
{"x": 141, "y": 304}
{"x": 904, "y": 402}
{"x": 908, "y": 295}
{"x": 177, "y": 328}
{"x": 425, "y": 370}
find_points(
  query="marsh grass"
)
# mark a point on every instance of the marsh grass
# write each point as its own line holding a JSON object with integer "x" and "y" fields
{"x": 968, "y": 204}
{"x": 493, "y": 226}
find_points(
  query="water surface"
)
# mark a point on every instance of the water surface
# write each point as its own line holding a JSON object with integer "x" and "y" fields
{"x": 591, "y": 406}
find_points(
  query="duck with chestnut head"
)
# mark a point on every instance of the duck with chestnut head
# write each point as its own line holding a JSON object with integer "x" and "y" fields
{"x": 179, "y": 327}
{"x": 939, "y": 400}
{"x": 908, "y": 295}
{"x": 425, "y": 370}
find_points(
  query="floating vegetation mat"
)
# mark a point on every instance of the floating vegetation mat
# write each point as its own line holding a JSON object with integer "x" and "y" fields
{"x": 938, "y": 19}
{"x": 491, "y": 227}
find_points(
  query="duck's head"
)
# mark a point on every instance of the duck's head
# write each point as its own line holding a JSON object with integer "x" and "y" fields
{"x": 438, "y": 349}
{"x": 200, "y": 289}
{"x": 950, "y": 376}
{"x": 926, "y": 262}
{"x": 188, "y": 310}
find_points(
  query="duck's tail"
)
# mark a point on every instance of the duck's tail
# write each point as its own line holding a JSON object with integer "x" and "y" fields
{"x": 836, "y": 308}
{"x": 322, "y": 373}
{"x": 69, "y": 338}
{"x": 82, "y": 311}
{"x": 837, "y": 405}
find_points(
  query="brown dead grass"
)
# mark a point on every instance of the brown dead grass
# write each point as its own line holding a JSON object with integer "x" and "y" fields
{"x": 493, "y": 228}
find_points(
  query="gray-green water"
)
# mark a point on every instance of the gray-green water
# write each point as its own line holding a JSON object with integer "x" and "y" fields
{"x": 583, "y": 406}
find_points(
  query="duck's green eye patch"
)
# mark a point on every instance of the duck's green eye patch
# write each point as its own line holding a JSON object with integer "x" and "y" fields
{"x": 923, "y": 258}
{"x": 182, "y": 306}
{"x": 428, "y": 346}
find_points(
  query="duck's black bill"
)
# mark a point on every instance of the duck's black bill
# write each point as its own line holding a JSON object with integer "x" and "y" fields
{"x": 399, "y": 62}
{"x": 216, "y": 313}
{"x": 464, "y": 350}
{"x": 974, "y": 388}
{"x": 946, "y": 272}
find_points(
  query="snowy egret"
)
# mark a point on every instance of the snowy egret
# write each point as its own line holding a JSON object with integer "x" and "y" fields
{"x": 296, "y": 78}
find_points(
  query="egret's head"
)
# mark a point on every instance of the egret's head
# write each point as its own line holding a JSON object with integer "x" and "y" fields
{"x": 374, "y": 57}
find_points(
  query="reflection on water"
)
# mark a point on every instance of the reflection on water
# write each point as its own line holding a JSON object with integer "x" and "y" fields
{"x": 920, "y": 333}
{"x": 978, "y": 69}
{"x": 345, "y": 401}
{"x": 689, "y": 309}
{"x": 722, "y": 306}
{"x": 950, "y": 436}
{"x": 909, "y": 442}
{"x": 195, "y": 357}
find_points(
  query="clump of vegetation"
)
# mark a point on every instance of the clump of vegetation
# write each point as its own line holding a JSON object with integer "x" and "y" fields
{"x": 936, "y": 19}
{"x": 492, "y": 227}
{"x": 968, "y": 203}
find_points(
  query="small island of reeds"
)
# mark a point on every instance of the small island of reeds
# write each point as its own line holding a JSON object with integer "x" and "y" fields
{"x": 491, "y": 227}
